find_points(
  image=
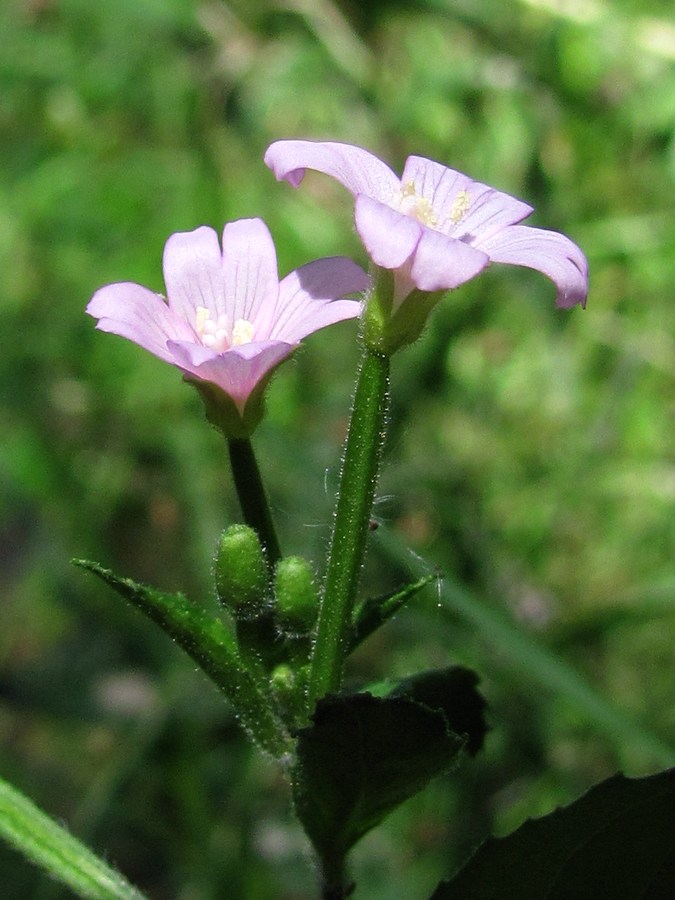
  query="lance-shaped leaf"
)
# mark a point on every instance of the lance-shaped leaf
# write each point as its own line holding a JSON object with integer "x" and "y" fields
{"x": 213, "y": 647}
{"x": 361, "y": 758}
{"x": 617, "y": 841}
{"x": 49, "y": 845}
{"x": 375, "y": 611}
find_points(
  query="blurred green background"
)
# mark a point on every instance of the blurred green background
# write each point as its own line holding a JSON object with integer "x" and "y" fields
{"x": 530, "y": 454}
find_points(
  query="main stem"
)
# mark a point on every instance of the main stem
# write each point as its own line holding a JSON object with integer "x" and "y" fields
{"x": 252, "y": 496}
{"x": 358, "y": 479}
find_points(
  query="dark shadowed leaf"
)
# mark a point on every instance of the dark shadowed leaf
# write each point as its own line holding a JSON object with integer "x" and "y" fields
{"x": 454, "y": 692}
{"x": 360, "y": 759}
{"x": 615, "y": 842}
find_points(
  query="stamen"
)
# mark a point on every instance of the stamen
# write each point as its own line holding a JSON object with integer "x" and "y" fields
{"x": 203, "y": 316}
{"x": 460, "y": 207}
{"x": 242, "y": 333}
{"x": 417, "y": 207}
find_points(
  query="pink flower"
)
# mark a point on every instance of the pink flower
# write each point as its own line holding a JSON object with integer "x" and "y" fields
{"x": 229, "y": 321}
{"x": 435, "y": 227}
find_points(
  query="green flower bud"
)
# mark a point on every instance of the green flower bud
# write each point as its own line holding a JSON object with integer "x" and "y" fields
{"x": 290, "y": 686}
{"x": 296, "y": 594}
{"x": 283, "y": 680}
{"x": 240, "y": 572}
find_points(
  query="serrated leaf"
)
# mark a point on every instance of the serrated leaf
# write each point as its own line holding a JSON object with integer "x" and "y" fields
{"x": 453, "y": 691}
{"x": 213, "y": 647}
{"x": 615, "y": 842}
{"x": 361, "y": 758}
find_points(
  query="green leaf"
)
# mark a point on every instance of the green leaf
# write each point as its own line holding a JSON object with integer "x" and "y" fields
{"x": 212, "y": 645}
{"x": 453, "y": 692}
{"x": 50, "y": 846}
{"x": 617, "y": 841}
{"x": 375, "y": 611}
{"x": 359, "y": 760}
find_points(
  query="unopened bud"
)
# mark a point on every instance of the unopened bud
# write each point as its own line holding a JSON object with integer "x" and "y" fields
{"x": 283, "y": 679}
{"x": 296, "y": 594}
{"x": 241, "y": 573}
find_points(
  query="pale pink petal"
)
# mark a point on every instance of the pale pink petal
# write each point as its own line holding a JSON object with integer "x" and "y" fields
{"x": 193, "y": 272}
{"x": 553, "y": 254}
{"x": 443, "y": 263}
{"x": 306, "y": 298}
{"x": 389, "y": 236}
{"x": 437, "y": 262}
{"x": 238, "y": 371}
{"x": 488, "y": 211}
{"x": 188, "y": 355}
{"x": 328, "y": 313}
{"x": 462, "y": 208}
{"x": 358, "y": 170}
{"x": 136, "y": 313}
{"x": 250, "y": 271}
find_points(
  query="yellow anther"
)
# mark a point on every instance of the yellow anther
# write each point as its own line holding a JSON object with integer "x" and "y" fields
{"x": 203, "y": 315}
{"x": 460, "y": 207}
{"x": 417, "y": 207}
{"x": 242, "y": 333}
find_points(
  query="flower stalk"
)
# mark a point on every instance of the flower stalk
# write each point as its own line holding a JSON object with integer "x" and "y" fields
{"x": 252, "y": 497}
{"x": 358, "y": 480}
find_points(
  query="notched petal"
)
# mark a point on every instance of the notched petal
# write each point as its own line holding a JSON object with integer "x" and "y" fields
{"x": 307, "y": 297}
{"x": 356, "y": 169}
{"x": 193, "y": 272}
{"x": 251, "y": 278}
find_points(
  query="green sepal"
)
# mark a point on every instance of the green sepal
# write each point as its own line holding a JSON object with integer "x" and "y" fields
{"x": 212, "y": 645}
{"x": 222, "y": 412}
{"x": 362, "y": 757}
{"x": 375, "y": 611}
{"x": 385, "y": 331}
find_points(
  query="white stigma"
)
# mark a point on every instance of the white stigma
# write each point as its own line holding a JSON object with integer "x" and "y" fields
{"x": 213, "y": 333}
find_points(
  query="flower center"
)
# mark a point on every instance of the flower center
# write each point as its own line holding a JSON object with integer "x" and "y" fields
{"x": 411, "y": 204}
{"x": 420, "y": 208}
{"x": 215, "y": 334}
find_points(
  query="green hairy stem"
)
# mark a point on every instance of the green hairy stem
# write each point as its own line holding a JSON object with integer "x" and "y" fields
{"x": 360, "y": 467}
